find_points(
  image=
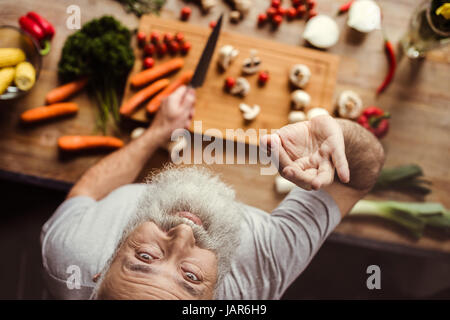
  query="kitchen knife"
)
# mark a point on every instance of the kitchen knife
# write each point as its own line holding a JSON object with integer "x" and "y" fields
{"x": 203, "y": 64}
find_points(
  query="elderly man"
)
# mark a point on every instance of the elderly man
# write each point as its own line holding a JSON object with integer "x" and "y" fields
{"x": 184, "y": 236}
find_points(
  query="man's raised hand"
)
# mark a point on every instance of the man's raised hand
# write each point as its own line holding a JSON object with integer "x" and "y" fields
{"x": 309, "y": 152}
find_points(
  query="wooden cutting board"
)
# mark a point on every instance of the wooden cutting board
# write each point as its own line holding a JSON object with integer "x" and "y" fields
{"x": 220, "y": 110}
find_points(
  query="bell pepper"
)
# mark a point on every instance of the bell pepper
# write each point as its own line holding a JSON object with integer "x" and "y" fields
{"x": 39, "y": 28}
{"x": 375, "y": 120}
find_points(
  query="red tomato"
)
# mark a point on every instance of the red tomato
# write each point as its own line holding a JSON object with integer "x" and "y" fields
{"x": 311, "y": 4}
{"x": 281, "y": 11}
{"x": 185, "y": 47}
{"x": 312, "y": 13}
{"x": 301, "y": 10}
{"x": 275, "y": 4}
{"x": 168, "y": 37}
{"x": 141, "y": 37}
{"x": 161, "y": 48}
{"x": 296, "y": 3}
{"x": 174, "y": 46}
{"x": 179, "y": 36}
{"x": 263, "y": 77}
{"x": 229, "y": 83}
{"x": 149, "y": 49}
{"x": 291, "y": 13}
{"x": 155, "y": 36}
{"x": 212, "y": 24}
{"x": 271, "y": 12}
{"x": 277, "y": 20}
{"x": 149, "y": 63}
{"x": 262, "y": 18}
{"x": 185, "y": 13}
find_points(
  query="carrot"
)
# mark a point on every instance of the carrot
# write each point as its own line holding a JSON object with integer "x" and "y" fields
{"x": 154, "y": 73}
{"x": 130, "y": 105}
{"x": 49, "y": 112}
{"x": 63, "y": 92}
{"x": 76, "y": 143}
{"x": 154, "y": 104}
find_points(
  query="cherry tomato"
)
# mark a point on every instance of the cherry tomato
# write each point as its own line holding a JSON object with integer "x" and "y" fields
{"x": 174, "y": 46}
{"x": 149, "y": 49}
{"x": 296, "y": 3}
{"x": 229, "y": 83}
{"x": 281, "y": 11}
{"x": 185, "y": 47}
{"x": 275, "y": 4}
{"x": 185, "y": 13}
{"x": 271, "y": 12}
{"x": 312, "y": 13}
{"x": 277, "y": 20}
{"x": 141, "y": 37}
{"x": 262, "y": 18}
{"x": 179, "y": 36}
{"x": 168, "y": 37}
{"x": 311, "y": 5}
{"x": 301, "y": 10}
{"x": 263, "y": 77}
{"x": 155, "y": 37}
{"x": 149, "y": 63}
{"x": 291, "y": 13}
{"x": 161, "y": 48}
{"x": 212, "y": 24}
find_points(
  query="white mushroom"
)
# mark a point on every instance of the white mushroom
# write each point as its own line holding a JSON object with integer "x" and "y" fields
{"x": 235, "y": 16}
{"x": 296, "y": 116}
{"x": 314, "y": 112}
{"x": 251, "y": 65}
{"x": 249, "y": 113}
{"x": 350, "y": 105}
{"x": 243, "y": 6}
{"x": 241, "y": 88}
{"x": 136, "y": 133}
{"x": 207, "y": 4}
{"x": 321, "y": 31}
{"x": 282, "y": 185}
{"x": 364, "y": 16}
{"x": 299, "y": 75}
{"x": 226, "y": 55}
{"x": 300, "y": 99}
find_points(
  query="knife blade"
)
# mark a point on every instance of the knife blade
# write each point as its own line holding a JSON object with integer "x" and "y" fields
{"x": 203, "y": 64}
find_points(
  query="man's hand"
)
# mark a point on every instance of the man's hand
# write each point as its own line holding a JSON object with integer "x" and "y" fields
{"x": 176, "y": 112}
{"x": 309, "y": 152}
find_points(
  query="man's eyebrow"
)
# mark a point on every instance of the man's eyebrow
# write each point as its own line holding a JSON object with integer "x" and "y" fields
{"x": 139, "y": 267}
{"x": 189, "y": 289}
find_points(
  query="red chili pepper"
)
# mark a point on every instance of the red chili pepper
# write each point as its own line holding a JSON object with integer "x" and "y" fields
{"x": 345, "y": 7}
{"x": 392, "y": 66}
{"x": 43, "y": 23}
{"x": 375, "y": 120}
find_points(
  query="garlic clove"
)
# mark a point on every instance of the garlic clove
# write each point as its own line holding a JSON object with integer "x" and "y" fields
{"x": 296, "y": 116}
{"x": 300, "y": 99}
{"x": 314, "y": 112}
{"x": 364, "y": 16}
{"x": 321, "y": 31}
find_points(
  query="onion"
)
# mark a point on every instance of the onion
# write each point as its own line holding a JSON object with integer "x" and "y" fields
{"x": 364, "y": 16}
{"x": 321, "y": 31}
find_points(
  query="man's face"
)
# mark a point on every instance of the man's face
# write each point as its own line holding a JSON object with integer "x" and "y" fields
{"x": 157, "y": 264}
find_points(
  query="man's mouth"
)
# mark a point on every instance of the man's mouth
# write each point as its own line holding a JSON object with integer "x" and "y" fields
{"x": 190, "y": 216}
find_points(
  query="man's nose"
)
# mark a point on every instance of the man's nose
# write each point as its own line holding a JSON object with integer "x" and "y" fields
{"x": 182, "y": 237}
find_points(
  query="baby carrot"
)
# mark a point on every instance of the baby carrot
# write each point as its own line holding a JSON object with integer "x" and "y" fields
{"x": 65, "y": 91}
{"x": 154, "y": 73}
{"x": 129, "y": 106}
{"x": 154, "y": 104}
{"x": 49, "y": 112}
{"x": 76, "y": 143}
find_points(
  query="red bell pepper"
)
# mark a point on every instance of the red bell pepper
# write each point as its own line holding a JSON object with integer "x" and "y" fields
{"x": 32, "y": 28}
{"x": 43, "y": 23}
{"x": 39, "y": 28}
{"x": 375, "y": 120}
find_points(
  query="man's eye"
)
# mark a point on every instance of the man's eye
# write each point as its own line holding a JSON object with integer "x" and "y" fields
{"x": 191, "y": 276}
{"x": 145, "y": 256}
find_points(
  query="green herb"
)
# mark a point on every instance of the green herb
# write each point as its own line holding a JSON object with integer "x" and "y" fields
{"x": 100, "y": 50}
{"x": 140, "y": 7}
{"x": 414, "y": 216}
{"x": 407, "y": 177}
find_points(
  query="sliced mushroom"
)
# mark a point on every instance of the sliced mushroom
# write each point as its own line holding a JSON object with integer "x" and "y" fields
{"x": 249, "y": 113}
{"x": 299, "y": 75}
{"x": 314, "y": 112}
{"x": 226, "y": 55}
{"x": 243, "y": 6}
{"x": 300, "y": 99}
{"x": 235, "y": 16}
{"x": 241, "y": 88}
{"x": 350, "y": 105}
{"x": 296, "y": 116}
{"x": 251, "y": 65}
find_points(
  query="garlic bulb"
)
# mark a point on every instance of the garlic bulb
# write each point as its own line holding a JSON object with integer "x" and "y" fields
{"x": 364, "y": 16}
{"x": 299, "y": 75}
{"x": 321, "y": 31}
{"x": 241, "y": 88}
{"x": 251, "y": 65}
{"x": 300, "y": 99}
{"x": 226, "y": 55}
{"x": 314, "y": 112}
{"x": 296, "y": 116}
{"x": 350, "y": 105}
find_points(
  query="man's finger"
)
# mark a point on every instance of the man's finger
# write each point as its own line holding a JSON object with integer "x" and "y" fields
{"x": 324, "y": 177}
{"x": 340, "y": 163}
{"x": 301, "y": 178}
{"x": 272, "y": 143}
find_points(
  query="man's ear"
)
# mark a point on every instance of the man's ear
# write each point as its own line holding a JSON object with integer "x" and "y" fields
{"x": 96, "y": 277}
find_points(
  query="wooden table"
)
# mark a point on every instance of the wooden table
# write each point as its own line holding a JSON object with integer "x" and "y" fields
{"x": 418, "y": 100}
